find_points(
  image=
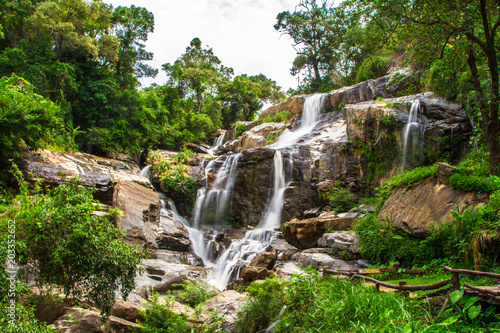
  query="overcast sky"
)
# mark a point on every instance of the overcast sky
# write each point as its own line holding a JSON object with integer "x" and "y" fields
{"x": 240, "y": 33}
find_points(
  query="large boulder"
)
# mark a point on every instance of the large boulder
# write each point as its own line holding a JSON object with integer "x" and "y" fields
{"x": 258, "y": 136}
{"x": 299, "y": 197}
{"x": 78, "y": 320}
{"x": 304, "y": 234}
{"x": 140, "y": 207}
{"x": 317, "y": 259}
{"x": 414, "y": 210}
{"x": 95, "y": 172}
{"x": 293, "y": 106}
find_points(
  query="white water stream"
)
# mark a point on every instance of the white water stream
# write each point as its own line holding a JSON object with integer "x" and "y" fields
{"x": 218, "y": 142}
{"x": 412, "y": 125}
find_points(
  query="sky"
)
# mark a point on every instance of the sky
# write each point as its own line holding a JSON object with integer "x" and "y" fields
{"x": 240, "y": 33}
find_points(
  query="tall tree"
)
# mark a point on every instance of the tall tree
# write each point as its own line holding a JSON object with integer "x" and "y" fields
{"x": 132, "y": 26}
{"x": 198, "y": 69}
{"x": 316, "y": 31}
{"x": 467, "y": 27}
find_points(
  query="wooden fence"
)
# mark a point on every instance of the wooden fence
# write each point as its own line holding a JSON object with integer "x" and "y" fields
{"x": 403, "y": 288}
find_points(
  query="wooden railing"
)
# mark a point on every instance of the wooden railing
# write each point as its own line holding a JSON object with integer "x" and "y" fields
{"x": 403, "y": 288}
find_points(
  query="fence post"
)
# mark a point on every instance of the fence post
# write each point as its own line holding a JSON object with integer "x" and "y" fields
{"x": 401, "y": 285}
{"x": 456, "y": 280}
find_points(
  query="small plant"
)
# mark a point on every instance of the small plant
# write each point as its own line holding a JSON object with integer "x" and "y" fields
{"x": 196, "y": 292}
{"x": 340, "y": 199}
{"x": 271, "y": 138}
{"x": 239, "y": 129}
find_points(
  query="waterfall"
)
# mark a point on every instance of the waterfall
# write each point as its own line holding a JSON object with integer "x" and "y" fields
{"x": 212, "y": 205}
{"x": 228, "y": 266}
{"x": 310, "y": 115}
{"x": 195, "y": 235}
{"x": 146, "y": 172}
{"x": 217, "y": 143}
{"x": 413, "y": 125}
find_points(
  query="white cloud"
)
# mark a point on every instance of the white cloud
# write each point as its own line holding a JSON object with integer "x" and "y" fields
{"x": 240, "y": 32}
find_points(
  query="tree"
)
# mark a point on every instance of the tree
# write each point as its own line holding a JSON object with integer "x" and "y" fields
{"x": 466, "y": 28}
{"x": 240, "y": 99}
{"x": 132, "y": 26}
{"x": 198, "y": 69}
{"x": 27, "y": 120}
{"x": 316, "y": 31}
{"x": 268, "y": 90}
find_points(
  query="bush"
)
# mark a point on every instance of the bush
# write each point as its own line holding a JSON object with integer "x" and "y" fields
{"x": 196, "y": 292}
{"x": 239, "y": 129}
{"x": 372, "y": 68}
{"x": 340, "y": 199}
{"x": 67, "y": 245}
{"x": 27, "y": 120}
{"x": 264, "y": 303}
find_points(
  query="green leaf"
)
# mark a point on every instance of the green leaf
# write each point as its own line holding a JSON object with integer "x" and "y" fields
{"x": 474, "y": 311}
{"x": 456, "y": 295}
{"x": 469, "y": 302}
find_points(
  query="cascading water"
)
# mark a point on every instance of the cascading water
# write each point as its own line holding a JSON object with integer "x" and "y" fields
{"x": 217, "y": 143}
{"x": 310, "y": 115}
{"x": 146, "y": 172}
{"x": 412, "y": 126}
{"x": 244, "y": 250}
{"x": 212, "y": 205}
{"x": 195, "y": 235}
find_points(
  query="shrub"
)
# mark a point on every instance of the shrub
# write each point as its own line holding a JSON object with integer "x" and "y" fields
{"x": 27, "y": 120}
{"x": 340, "y": 199}
{"x": 372, "y": 68}
{"x": 67, "y": 245}
{"x": 239, "y": 129}
{"x": 196, "y": 292}
{"x": 264, "y": 302}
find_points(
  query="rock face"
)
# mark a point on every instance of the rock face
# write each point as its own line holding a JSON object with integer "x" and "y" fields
{"x": 95, "y": 172}
{"x": 252, "y": 185}
{"x": 414, "y": 210}
{"x": 78, "y": 320}
{"x": 304, "y": 234}
{"x": 258, "y": 136}
{"x": 141, "y": 219}
{"x": 293, "y": 105}
{"x": 344, "y": 240}
{"x": 140, "y": 207}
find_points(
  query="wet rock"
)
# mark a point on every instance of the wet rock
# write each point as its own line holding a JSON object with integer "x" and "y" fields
{"x": 297, "y": 200}
{"x": 305, "y": 233}
{"x": 252, "y": 185}
{"x": 78, "y": 320}
{"x": 264, "y": 260}
{"x": 172, "y": 234}
{"x": 252, "y": 273}
{"x": 175, "y": 257}
{"x": 168, "y": 271}
{"x": 414, "y": 210}
{"x": 311, "y": 213}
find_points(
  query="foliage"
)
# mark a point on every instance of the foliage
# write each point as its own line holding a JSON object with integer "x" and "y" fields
{"x": 196, "y": 292}
{"x": 264, "y": 302}
{"x": 239, "y": 130}
{"x": 27, "y": 120}
{"x": 407, "y": 179}
{"x": 184, "y": 155}
{"x": 372, "y": 68}
{"x": 181, "y": 187}
{"x": 340, "y": 199}
{"x": 283, "y": 116}
{"x": 159, "y": 318}
{"x": 473, "y": 174}
{"x": 66, "y": 245}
